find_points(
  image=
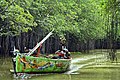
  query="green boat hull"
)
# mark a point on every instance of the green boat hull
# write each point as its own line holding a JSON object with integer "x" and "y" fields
{"x": 41, "y": 65}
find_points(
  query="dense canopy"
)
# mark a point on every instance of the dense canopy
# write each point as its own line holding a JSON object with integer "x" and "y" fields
{"x": 76, "y": 20}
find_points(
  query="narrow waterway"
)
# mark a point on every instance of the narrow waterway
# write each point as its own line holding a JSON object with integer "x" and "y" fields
{"x": 82, "y": 68}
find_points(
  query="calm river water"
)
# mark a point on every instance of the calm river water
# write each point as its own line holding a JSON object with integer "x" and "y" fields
{"x": 81, "y": 69}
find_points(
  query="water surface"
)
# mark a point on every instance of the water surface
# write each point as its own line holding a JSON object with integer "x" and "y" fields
{"x": 82, "y": 68}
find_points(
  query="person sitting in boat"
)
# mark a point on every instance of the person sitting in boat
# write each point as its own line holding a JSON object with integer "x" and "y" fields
{"x": 62, "y": 54}
{"x": 66, "y": 53}
{"x": 56, "y": 55}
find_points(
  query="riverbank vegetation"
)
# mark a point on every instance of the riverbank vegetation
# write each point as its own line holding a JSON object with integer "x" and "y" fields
{"x": 82, "y": 24}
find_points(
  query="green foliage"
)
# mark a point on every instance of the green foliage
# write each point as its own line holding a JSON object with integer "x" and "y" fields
{"x": 84, "y": 19}
{"x": 14, "y": 19}
{"x": 111, "y": 9}
{"x": 80, "y": 18}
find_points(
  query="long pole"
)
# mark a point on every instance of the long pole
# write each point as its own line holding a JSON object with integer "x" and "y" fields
{"x": 43, "y": 40}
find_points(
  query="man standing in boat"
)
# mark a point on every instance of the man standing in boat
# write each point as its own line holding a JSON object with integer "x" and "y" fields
{"x": 39, "y": 51}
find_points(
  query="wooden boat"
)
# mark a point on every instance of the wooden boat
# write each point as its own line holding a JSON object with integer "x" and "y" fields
{"x": 31, "y": 64}
{"x": 25, "y": 63}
